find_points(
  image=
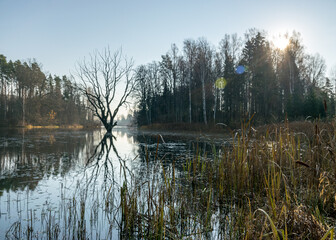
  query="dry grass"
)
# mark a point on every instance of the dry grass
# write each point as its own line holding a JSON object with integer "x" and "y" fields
{"x": 288, "y": 173}
{"x": 75, "y": 126}
{"x": 278, "y": 185}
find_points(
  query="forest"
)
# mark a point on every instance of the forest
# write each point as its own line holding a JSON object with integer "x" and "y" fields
{"x": 240, "y": 78}
{"x": 254, "y": 76}
{"x": 29, "y": 97}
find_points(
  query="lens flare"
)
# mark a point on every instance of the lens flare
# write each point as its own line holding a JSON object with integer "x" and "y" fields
{"x": 220, "y": 83}
{"x": 240, "y": 69}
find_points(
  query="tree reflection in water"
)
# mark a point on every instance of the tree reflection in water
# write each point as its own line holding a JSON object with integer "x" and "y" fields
{"x": 111, "y": 196}
{"x": 88, "y": 194}
{"x": 29, "y": 157}
{"x": 101, "y": 164}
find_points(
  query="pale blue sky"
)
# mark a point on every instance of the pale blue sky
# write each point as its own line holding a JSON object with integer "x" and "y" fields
{"x": 58, "y": 33}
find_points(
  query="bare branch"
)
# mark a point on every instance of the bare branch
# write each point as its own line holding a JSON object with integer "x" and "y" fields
{"x": 107, "y": 81}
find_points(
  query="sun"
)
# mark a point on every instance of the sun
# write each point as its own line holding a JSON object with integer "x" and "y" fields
{"x": 280, "y": 41}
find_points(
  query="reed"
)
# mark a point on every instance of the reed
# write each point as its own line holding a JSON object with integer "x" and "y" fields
{"x": 279, "y": 185}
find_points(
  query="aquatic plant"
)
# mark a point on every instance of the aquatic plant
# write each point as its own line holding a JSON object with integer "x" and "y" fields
{"x": 279, "y": 185}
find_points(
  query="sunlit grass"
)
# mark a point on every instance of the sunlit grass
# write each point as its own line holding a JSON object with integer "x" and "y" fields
{"x": 75, "y": 126}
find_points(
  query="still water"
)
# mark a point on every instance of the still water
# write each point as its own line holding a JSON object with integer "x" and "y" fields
{"x": 43, "y": 172}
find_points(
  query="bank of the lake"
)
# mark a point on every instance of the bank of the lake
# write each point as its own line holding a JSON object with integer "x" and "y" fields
{"x": 304, "y": 127}
{"x": 70, "y": 127}
{"x": 193, "y": 128}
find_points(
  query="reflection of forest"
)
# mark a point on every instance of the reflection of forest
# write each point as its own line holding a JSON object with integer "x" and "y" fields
{"x": 26, "y": 157}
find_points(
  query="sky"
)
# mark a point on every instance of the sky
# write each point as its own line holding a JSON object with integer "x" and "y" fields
{"x": 60, "y": 33}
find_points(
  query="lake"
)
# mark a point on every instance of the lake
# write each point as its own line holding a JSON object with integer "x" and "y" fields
{"x": 46, "y": 175}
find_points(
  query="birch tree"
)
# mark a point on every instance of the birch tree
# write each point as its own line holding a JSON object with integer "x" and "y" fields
{"x": 204, "y": 61}
{"x": 190, "y": 51}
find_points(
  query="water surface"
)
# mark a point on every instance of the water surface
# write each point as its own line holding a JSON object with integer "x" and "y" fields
{"x": 43, "y": 171}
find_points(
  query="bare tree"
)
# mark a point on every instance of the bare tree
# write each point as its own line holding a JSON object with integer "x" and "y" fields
{"x": 315, "y": 69}
{"x": 107, "y": 81}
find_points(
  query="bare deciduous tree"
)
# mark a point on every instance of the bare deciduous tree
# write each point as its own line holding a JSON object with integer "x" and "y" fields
{"x": 107, "y": 81}
{"x": 315, "y": 69}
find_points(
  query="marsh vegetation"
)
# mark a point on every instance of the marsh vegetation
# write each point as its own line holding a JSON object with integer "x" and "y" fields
{"x": 267, "y": 184}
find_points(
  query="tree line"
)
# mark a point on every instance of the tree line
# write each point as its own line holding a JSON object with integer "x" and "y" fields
{"x": 239, "y": 78}
{"x": 28, "y": 96}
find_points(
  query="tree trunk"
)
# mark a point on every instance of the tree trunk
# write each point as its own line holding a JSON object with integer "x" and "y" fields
{"x": 215, "y": 107}
{"x": 23, "y": 108}
{"x": 189, "y": 97}
{"x": 203, "y": 98}
{"x": 109, "y": 126}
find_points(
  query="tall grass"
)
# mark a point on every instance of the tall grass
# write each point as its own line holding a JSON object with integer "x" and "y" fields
{"x": 279, "y": 185}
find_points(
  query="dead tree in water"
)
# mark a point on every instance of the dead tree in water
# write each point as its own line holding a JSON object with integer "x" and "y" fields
{"x": 107, "y": 81}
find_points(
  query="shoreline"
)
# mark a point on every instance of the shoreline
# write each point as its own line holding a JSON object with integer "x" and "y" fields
{"x": 69, "y": 127}
{"x": 307, "y": 128}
